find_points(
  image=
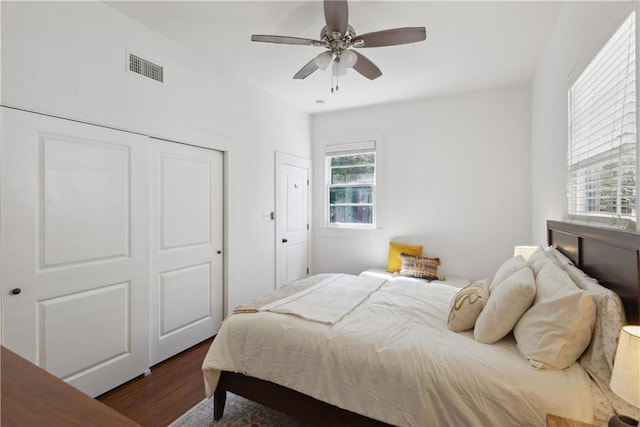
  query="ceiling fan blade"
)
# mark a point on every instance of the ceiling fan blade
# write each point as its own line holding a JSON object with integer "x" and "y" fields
{"x": 391, "y": 37}
{"x": 305, "y": 71}
{"x": 285, "y": 40}
{"x": 367, "y": 68}
{"x": 336, "y": 13}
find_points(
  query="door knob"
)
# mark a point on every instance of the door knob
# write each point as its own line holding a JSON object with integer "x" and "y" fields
{"x": 16, "y": 291}
{"x": 284, "y": 240}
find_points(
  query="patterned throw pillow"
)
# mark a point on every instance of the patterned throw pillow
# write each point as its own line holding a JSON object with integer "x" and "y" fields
{"x": 466, "y": 305}
{"x": 419, "y": 267}
{"x": 395, "y": 249}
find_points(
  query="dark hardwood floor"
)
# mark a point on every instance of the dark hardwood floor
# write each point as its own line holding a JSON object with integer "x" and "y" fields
{"x": 173, "y": 387}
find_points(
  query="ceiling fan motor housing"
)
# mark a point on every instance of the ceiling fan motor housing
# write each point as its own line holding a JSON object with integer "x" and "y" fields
{"x": 326, "y": 36}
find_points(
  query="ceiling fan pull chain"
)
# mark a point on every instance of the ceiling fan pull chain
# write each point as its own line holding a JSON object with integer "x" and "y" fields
{"x": 333, "y": 64}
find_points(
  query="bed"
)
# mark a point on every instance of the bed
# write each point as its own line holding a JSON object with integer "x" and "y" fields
{"x": 316, "y": 397}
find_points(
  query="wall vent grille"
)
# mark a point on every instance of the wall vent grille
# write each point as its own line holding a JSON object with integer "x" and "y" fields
{"x": 145, "y": 68}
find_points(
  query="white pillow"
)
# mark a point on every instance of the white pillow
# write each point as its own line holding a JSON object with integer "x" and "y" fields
{"x": 506, "y": 303}
{"x": 557, "y": 328}
{"x": 466, "y": 305}
{"x": 539, "y": 259}
{"x": 561, "y": 258}
{"x": 509, "y": 267}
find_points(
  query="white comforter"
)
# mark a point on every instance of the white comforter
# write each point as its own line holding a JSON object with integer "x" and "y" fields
{"x": 392, "y": 358}
{"x": 319, "y": 302}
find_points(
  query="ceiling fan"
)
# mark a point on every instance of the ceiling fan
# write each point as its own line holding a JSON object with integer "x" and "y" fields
{"x": 338, "y": 37}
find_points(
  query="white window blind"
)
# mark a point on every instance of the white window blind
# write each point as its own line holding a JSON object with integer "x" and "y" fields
{"x": 351, "y": 184}
{"x": 601, "y": 161}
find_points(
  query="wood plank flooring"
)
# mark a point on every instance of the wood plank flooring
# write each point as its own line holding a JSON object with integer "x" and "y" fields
{"x": 173, "y": 387}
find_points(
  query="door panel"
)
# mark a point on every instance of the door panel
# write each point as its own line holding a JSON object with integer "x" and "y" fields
{"x": 296, "y": 197}
{"x": 186, "y": 258}
{"x": 75, "y": 242}
{"x": 64, "y": 355}
{"x": 185, "y": 192}
{"x": 186, "y": 287}
{"x": 84, "y": 210}
{"x": 296, "y": 259}
{"x": 292, "y": 218}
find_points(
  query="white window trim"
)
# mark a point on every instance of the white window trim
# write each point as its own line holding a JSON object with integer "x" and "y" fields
{"x": 607, "y": 31}
{"x": 354, "y": 143}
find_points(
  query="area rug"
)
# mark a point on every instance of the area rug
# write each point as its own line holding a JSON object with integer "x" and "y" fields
{"x": 238, "y": 412}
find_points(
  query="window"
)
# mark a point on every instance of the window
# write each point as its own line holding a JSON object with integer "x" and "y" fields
{"x": 351, "y": 184}
{"x": 601, "y": 162}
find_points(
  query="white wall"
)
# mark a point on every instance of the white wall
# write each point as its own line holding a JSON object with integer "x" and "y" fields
{"x": 581, "y": 30}
{"x": 68, "y": 59}
{"x": 456, "y": 178}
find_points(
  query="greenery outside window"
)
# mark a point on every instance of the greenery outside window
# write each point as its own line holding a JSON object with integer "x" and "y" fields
{"x": 351, "y": 185}
{"x": 602, "y": 166}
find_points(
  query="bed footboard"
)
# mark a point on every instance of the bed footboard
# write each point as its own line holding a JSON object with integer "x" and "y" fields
{"x": 298, "y": 405}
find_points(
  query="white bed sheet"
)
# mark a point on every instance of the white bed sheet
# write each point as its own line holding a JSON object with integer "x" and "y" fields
{"x": 393, "y": 359}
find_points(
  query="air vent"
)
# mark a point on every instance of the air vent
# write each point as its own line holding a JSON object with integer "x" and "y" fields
{"x": 145, "y": 68}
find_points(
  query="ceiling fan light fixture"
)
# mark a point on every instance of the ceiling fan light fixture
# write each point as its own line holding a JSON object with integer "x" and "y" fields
{"x": 339, "y": 69}
{"x": 323, "y": 60}
{"x": 348, "y": 58}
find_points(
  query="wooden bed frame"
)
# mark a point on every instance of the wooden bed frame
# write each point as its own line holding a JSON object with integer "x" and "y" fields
{"x": 611, "y": 256}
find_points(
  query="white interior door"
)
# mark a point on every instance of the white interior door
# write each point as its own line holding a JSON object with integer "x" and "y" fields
{"x": 74, "y": 211}
{"x": 186, "y": 247}
{"x": 292, "y": 218}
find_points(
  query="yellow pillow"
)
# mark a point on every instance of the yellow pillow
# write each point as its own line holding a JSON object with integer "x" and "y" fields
{"x": 395, "y": 249}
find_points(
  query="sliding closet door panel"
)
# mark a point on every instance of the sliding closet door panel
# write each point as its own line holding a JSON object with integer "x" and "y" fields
{"x": 85, "y": 214}
{"x": 186, "y": 247}
{"x": 75, "y": 248}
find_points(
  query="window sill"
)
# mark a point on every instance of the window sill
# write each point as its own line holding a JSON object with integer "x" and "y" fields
{"x": 603, "y": 222}
{"x": 346, "y": 232}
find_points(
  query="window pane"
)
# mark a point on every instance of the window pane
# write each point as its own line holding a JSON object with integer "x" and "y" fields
{"x": 359, "y": 195}
{"x": 350, "y": 215}
{"x": 337, "y": 195}
{"x": 354, "y": 159}
{"x": 340, "y": 195}
{"x": 352, "y": 174}
{"x": 605, "y": 188}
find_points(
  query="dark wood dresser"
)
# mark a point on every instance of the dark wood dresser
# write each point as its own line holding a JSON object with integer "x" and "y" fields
{"x": 30, "y": 396}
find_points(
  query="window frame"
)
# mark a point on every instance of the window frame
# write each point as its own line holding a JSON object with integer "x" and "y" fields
{"x": 617, "y": 219}
{"x": 362, "y": 146}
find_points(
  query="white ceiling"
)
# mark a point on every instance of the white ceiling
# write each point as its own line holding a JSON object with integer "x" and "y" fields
{"x": 470, "y": 45}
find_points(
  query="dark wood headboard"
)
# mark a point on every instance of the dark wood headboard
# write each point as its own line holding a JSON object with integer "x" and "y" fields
{"x": 610, "y": 256}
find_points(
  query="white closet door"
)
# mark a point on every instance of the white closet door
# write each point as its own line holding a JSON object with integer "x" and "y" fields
{"x": 74, "y": 209}
{"x": 186, "y": 247}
